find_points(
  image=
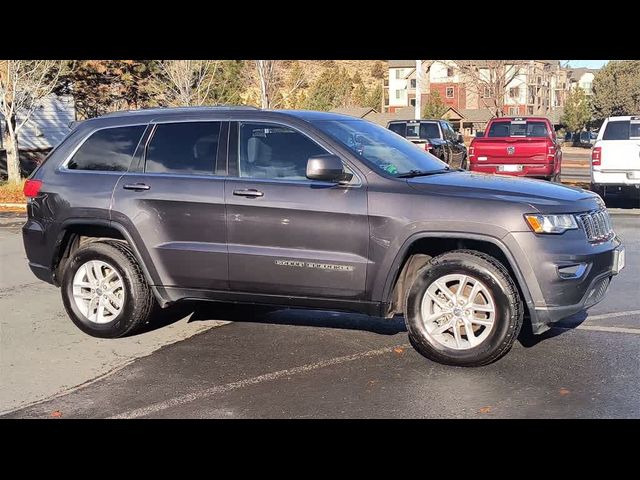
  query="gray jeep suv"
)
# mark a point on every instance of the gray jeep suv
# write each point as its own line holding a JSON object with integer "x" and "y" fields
{"x": 308, "y": 209}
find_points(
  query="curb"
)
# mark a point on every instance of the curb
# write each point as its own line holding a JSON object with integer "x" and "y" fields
{"x": 14, "y": 205}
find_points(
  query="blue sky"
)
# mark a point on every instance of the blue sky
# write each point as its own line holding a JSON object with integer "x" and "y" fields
{"x": 586, "y": 63}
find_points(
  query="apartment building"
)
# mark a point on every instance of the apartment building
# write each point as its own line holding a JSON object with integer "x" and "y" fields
{"x": 535, "y": 87}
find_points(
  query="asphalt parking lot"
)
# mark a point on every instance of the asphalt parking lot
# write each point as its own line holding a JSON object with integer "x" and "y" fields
{"x": 292, "y": 363}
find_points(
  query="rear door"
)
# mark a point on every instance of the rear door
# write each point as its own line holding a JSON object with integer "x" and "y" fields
{"x": 172, "y": 203}
{"x": 620, "y": 145}
{"x": 289, "y": 235}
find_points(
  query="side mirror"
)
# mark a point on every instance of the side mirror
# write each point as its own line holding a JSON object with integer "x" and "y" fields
{"x": 479, "y": 134}
{"x": 327, "y": 168}
{"x": 460, "y": 138}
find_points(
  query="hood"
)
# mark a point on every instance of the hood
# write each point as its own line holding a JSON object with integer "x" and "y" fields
{"x": 545, "y": 196}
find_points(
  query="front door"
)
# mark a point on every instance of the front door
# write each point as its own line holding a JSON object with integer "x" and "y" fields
{"x": 288, "y": 235}
{"x": 174, "y": 205}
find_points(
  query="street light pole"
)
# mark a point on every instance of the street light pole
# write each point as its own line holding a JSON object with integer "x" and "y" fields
{"x": 418, "y": 109}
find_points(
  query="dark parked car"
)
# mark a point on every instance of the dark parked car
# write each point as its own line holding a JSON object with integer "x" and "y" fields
{"x": 308, "y": 209}
{"x": 436, "y": 137}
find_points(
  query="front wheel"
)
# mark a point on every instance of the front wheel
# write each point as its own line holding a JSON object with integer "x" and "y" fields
{"x": 465, "y": 163}
{"x": 463, "y": 309}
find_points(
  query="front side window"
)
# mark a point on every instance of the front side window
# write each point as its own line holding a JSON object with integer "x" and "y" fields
{"x": 108, "y": 150}
{"x": 381, "y": 148}
{"x": 274, "y": 152}
{"x": 183, "y": 148}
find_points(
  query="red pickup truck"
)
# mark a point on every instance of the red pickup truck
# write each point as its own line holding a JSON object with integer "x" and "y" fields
{"x": 522, "y": 146}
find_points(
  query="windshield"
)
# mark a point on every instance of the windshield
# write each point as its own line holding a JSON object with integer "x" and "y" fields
{"x": 381, "y": 148}
{"x": 518, "y": 128}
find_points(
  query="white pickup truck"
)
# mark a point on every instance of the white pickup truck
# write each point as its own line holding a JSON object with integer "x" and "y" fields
{"x": 615, "y": 157}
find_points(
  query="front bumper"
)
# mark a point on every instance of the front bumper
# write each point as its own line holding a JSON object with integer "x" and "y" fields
{"x": 567, "y": 274}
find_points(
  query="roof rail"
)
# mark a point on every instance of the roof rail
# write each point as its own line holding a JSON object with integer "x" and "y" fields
{"x": 146, "y": 111}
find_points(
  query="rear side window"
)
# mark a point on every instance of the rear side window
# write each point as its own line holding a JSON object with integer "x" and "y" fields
{"x": 518, "y": 129}
{"x": 399, "y": 128}
{"x": 185, "y": 148}
{"x": 429, "y": 130}
{"x": 618, "y": 130}
{"x": 109, "y": 150}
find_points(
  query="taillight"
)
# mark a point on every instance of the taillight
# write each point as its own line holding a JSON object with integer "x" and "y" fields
{"x": 471, "y": 151}
{"x": 32, "y": 188}
{"x": 596, "y": 156}
{"x": 552, "y": 151}
{"x": 427, "y": 147}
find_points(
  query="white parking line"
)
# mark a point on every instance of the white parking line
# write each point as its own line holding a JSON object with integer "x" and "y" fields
{"x": 267, "y": 377}
{"x": 595, "y": 328}
{"x": 614, "y": 314}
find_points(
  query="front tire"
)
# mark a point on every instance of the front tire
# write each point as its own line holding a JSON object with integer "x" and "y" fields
{"x": 463, "y": 309}
{"x": 104, "y": 290}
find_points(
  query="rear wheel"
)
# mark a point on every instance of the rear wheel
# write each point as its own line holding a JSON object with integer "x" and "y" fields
{"x": 104, "y": 290}
{"x": 463, "y": 309}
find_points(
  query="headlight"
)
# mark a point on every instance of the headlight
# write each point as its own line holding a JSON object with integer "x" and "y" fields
{"x": 551, "y": 223}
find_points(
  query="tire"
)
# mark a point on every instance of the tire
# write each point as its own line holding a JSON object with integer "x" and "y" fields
{"x": 136, "y": 298}
{"x": 599, "y": 189}
{"x": 497, "y": 289}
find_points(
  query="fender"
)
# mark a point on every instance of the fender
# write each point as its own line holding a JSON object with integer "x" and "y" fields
{"x": 394, "y": 271}
{"x": 150, "y": 273}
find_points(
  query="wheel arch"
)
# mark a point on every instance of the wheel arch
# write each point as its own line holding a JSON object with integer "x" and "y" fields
{"x": 70, "y": 237}
{"x": 429, "y": 244}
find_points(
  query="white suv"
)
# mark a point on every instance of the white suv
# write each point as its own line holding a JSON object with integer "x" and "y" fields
{"x": 615, "y": 157}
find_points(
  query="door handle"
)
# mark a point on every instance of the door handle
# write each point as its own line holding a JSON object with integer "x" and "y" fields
{"x": 136, "y": 186}
{"x": 251, "y": 192}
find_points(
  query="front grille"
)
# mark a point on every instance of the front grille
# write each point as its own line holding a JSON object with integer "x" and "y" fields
{"x": 596, "y": 225}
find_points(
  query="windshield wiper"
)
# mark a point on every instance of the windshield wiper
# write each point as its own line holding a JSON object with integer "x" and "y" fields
{"x": 423, "y": 173}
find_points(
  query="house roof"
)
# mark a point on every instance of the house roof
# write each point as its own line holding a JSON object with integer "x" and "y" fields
{"x": 577, "y": 73}
{"x": 359, "y": 112}
{"x": 401, "y": 63}
{"x": 476, "y": 114}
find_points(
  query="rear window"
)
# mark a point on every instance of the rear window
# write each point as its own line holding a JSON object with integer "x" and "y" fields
{"x": 399, "y": 128}
{"x": 621, "y": 130}
{"x": 618, "y": 130}
{"x": 109, "y": 150}
{"x": 184, "y": 148}
{"x": 518, "y": 129}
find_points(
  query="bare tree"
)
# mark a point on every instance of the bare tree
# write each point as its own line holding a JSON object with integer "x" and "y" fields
{"x": 268, "y": 80}
{"x": 490, "y": 80}
{"x": 23, "y": 83}
{"x": 186, "y": 82}
{"x": 279, "y": 82}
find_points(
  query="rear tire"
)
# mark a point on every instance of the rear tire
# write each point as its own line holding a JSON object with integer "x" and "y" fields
{"x": 494, "y": 313}
{"x": 122, "y": 299}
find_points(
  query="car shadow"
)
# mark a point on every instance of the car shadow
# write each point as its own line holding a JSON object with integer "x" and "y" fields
{"x": 231, "y": 312}
{"x": 203, "y": 311}
{"x": 622, "y": 201}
